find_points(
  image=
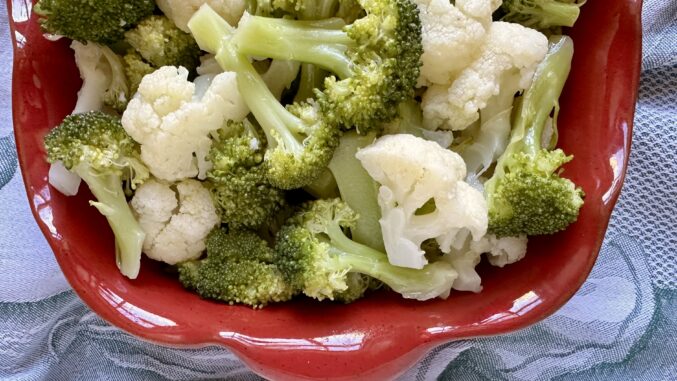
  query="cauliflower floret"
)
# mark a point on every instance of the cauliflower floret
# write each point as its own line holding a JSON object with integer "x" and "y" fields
{"x": 180, "y": 11}
{"x": 464, "y": 262}
{"x": 175, "y": 229}
{"x": 501, "y": 251}
{"x": 103, "y": 78}
{"x": 508, "y": 47}
{"x": 414, "y": 172}
{"x": 451, "y": 35}
{"x": 172, "y": 120}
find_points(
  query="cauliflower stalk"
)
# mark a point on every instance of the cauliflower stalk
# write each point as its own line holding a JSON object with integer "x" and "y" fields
{"x": 422, "y": 196}
{"x": 180, "y": 11}
{"x": 175, "y": 229}
{"x": 508, "y": 48}
{"x": 103, "y": 78}
{"x": 172, "y": 119}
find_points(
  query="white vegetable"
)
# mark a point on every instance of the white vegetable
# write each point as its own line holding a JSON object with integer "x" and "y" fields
{"x": 172, "y": 122}
{"x": 102, "y": 76}
{"x": 63, "y": 180}
{"x": 507, "y": 47}
{"x": 464, "y": 262}
{"x": 490, "y": 139}
{"x": 175, "y": 229}
{"x": 451, "y": 36}
{"x": 501, "y": 251}
{"x": 180, "y": 11}
{"x": 412, "y": 171}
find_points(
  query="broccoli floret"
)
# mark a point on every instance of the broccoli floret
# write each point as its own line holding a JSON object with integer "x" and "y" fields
{"x": 526, "y": 195}
{"x": 377, "y": 58}
{"x": 135, "y": 69}
{"x": 237, "y": 180}
{"x": 300, "y": 139}
{"x": 541, "y": 14}
{"x": 96, "y": 20}
{"x": 161, "y": 43}
{"x": 96, "y": 147}
{"x": 317, "y": 258}
{"x": 239, "y": 268}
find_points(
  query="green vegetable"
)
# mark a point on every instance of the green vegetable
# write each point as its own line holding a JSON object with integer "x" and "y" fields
{"x": 541, "y": 14}
{"x": 161, "y": 43}
{"x": 135, "y": 69}
{"x": 300, "y": 139}
{"x": 526, "y": 195}
{"x": 96, "y": 147}
{"x": 317, "y": 258}
{"x": 358, "y": 189}
{"x": 237, "y": 180}
{"x": 349, "y": 10}
{"x": 239, "y": 268}
{"x": 376, "y": 58}
{"x": 94, "y": 20}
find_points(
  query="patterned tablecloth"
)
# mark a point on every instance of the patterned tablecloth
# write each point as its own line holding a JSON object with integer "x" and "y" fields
{"x": 621, "y": 325}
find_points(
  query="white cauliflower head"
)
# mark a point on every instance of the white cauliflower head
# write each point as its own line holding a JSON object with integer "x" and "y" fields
{"x": 414, "y": 172}
{"x": 172, "y": 120}
{"x": 508, "y": 48}
{"x": 180, "y": 11}
{"x": 175, "y": 228}
{"x": 501, "y": 251}
{"x": 450, "y": 36}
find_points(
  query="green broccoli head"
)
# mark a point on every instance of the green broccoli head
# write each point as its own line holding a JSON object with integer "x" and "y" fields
{"x": 97, "y": 141}
{"x": 301, "y": 147}
{"x": 531, "y": 198}
{"x": 238, "y": 179}
{"x": 526, "y": 194}
{"x": 161, "y": 43}
{"x": 135, "y": 69}
{"x": 376, "y": 59}
{"x": 96, "y": 147}
{"x": 97, "y": 20}
{"x": 317, "y": 258}
{"x": 239, "y": 268}
{"x": 541, "y": 14}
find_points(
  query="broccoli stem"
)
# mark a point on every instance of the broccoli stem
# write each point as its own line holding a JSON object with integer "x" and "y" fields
{"x": 324, "y": 186}
{"x": 209, "y": 30}
{"x": 276, "y": 121}
{"x": 321, "y": 42}
{"x": 358, "y": 189}
{"x": 411, "y": 283}
{"x": 543, "y": 96}
{"x": 112, "y": 203}
{"x": 318, "y": 9}
{"x": 538, "y": 101}
{"x": 556, "y": 13}
{"x": 312, "y": 77}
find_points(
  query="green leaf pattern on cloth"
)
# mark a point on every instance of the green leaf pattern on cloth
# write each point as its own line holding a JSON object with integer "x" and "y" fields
{"x": 621, "y": 325}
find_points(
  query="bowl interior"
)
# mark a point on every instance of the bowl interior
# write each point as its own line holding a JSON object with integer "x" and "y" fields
{"x": 381, "y": 335}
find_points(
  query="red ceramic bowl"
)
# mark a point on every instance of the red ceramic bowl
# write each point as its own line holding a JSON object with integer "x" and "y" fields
{"x": 383, "y": 335}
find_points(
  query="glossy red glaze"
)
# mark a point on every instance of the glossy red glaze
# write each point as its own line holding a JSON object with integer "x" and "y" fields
{"x": 378, "y": 337}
